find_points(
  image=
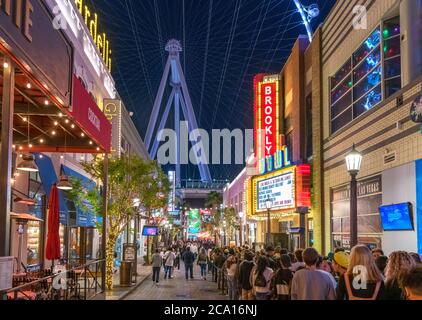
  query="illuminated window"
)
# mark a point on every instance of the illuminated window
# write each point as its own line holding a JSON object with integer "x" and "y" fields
{"x": 372, "y": 74}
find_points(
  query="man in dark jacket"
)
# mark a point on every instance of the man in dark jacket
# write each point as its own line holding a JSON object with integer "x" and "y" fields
{"x": 245, "y": 270}
{"x": 219, "y": 262}
{"x": 188, "y": 258}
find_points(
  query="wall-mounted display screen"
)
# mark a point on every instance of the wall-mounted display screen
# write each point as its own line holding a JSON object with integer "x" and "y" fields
{"x": 396, "y": 217}
{"x": 280, "y": 189}
{"x": 150, "y": 231}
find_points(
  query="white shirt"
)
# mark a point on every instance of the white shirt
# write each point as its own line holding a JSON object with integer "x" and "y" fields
{"x": 170, "y": 256}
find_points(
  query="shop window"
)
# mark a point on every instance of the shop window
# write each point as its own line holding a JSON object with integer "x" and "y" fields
{"x": 358, "y": 81}
{"x": 34, "y": 247}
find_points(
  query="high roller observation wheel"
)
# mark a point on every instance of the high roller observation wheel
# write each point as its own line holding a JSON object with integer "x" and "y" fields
{"x": 307, "y": 14}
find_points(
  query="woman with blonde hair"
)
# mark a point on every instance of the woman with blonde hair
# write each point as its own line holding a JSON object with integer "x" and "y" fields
{"x": 363, "y": 280}
{"x": 398, "y": 262}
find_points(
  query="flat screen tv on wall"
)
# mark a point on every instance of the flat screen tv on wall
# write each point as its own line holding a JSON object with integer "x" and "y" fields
{"x": 150, "y": 231}
{"x": 397, "y": 217}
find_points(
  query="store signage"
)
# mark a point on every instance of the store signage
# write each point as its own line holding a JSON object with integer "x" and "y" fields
{"x": 21, "y": 15}
{"x": 24, "y": 25}
{"x": 277, "y": 161}
{"x": 113, "y": 112}
{"x": 267, "y": 105}
{"x": 416, "y": 110}
{"x": 88, "y": 116}
{"x": 367, "y": 187}
{"x": 280, "y": 189}
{"x": 94, "y": 43}
{"x": 100, "y": 39}
{"x": 194, "y": 221}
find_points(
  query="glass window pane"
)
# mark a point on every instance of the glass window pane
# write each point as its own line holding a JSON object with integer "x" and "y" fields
{"x": 341, "y": 121}
{"x": 344, "y": 70}
{"x": 392, "y": 47}
{"x": 370, "y": 81}
{"x": 341, "y": 105}
{"x": 392, "y": 86}
{"x": 367, "y": 65}
{"x": 369, "y": 224}
{"x": 338, "y": 92}
{"x": 337, "y": 225}
{"x": 391, "y": 28}
{"x": 367, "y": 102}
{"x": 370, "y": 43}
{"x": 392, "y": 67}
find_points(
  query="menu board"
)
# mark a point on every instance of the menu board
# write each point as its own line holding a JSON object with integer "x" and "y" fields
{"x": 6, "y": 273}
{"x": 280, "y": 190}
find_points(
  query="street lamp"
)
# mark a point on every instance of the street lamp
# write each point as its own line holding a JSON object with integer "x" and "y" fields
{"x": 268, "y": 205}
{"x": 224, "y": 230}
{"x": 353, "y": 162}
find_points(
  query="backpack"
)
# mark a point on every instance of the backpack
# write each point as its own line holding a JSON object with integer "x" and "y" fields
{"x": 260, "y": 281}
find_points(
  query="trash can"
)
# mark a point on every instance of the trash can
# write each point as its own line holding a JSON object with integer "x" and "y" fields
{"x": 126, "y": 273}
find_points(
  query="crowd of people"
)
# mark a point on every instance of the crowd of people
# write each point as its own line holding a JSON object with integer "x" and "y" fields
{"x": 277, "y": 274}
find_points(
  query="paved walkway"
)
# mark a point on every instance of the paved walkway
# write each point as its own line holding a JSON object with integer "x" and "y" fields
{"x": 178, "y": 288}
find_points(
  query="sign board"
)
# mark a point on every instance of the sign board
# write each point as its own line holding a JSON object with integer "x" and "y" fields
{"x": 129, "y": 252}
{"x": 280, "y": 189}
{"x": 6, "y": 273}
{"x": 267, "y": 110}
{"x": 113, "y": 112}
{"x": 48, "y": 58}
{"x": 194, "y": 221}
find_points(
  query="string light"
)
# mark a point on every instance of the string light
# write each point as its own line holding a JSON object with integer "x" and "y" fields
{"x": 28, "y": 85}
{"x": 91, "y": 143}
{"x": 30, "y": 146}
{"x": 41, "y": 156}
{"x": 41, "y": 140}
{"x": 20, "y": 148}
{"x": 82, "y": 134}
{"x": 5, "y": 65}
{"x": 98, "y": 149}
{"x": 73, "y": 126}
{"x": 21, "y": 156}
{"x": 25, "y": 119}
{"x": 67, "y": 121}
{"x": 56, "y": 123}
{"x": 14, "y": 147}
{"x": 53, "y": 133}
{"x": 46, "y": 102}
{"x": 60, "y": 115}
{"x": 61, "y": 156}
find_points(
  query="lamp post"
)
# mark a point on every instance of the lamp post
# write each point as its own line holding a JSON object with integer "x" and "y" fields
{"x": 224, "y": 230}
{"x": 353, "y": 162}
{"x": 268, "y": 205}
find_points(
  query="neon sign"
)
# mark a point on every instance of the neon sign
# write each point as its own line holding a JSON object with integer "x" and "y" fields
{"x": 267, "y": 104}
{"x": 100, "y": 39}
{"x": 277, "y": 161}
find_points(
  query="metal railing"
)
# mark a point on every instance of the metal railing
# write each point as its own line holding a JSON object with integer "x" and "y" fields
{"x": 79, "y": 283}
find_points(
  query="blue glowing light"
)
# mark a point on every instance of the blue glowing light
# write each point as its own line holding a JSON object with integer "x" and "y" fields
{"x": 373, "y": 98}
{"x": 307, "y": 15}
{"x": 373, "y": 40}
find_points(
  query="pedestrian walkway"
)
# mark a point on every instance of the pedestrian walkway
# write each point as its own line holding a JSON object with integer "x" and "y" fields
{"x": 178, "y": 288}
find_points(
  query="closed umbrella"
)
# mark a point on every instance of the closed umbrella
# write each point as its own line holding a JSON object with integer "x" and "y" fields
{"x": 52, "y": 251}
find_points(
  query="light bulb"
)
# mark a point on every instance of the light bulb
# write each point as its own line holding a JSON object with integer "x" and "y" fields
{"x": 91, "y": 143}
{"x": 5, "y": 65}
{"x": 61, "y": 157}
{"x": 41, "y": 156}
{"x": 56, "y": 123}
{"x": 28, "y": 85}
{"x": 20, "y": 148}
{"x": 25, "y": 119}
{"x": 30, "y": 146}
{"x": 73, "y": 126}
{"x": 67, "y": 121}
{"x": 41, "y": 140}
{"x": 53, "y": 133}
{"x": 46, "y": 102}
{"x": 82, "y": 134}
{"x": 60, "y": 115}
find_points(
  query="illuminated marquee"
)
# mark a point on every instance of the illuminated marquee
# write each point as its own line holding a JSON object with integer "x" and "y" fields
{"x": 289, "y": 188}
{"x": 100, "y": 39}
{"x": 267, "y": 109}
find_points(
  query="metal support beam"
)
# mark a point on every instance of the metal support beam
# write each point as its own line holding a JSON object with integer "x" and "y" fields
{"x": 6, "y": 156}
{"x": 164, "y": 118}
{"x": 177, "y": 127}
{"x": 157, "y": 105}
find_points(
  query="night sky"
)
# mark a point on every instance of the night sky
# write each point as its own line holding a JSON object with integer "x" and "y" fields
{"x": 225, "y": 42}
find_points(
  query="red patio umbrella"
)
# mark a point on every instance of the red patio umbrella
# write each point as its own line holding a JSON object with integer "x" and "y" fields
{"x": 52, "y": 250}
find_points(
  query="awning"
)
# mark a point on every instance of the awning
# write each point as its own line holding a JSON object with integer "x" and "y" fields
{"x": 24, "y": 216}
{"x": 85, "y": 218}
{"x": 48, "y": 178}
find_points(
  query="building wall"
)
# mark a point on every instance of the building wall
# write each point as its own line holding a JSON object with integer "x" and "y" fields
{"x": 384, "y": 129}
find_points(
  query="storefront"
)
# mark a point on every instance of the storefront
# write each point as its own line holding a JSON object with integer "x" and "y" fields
{"x": 43, "y": 111}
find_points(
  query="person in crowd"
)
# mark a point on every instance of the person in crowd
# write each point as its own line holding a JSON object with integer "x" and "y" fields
{"x": 169, "y": 258}
{"x": 325, "y": 267}
{"x": 202, "y": 262}
{"x": 261, "y": 279}
{"x": 299, "y": 264}
{"x": 340, "y": 263}
{"x": 377, "y": 252}
{"x": 231, "y": 270}
{"x": 189, "y": 259}
{"x": 411, "y": 283}
{"x": 361, "y": 267}
{"x": 157, "y": 262}
{"x": 416, "y": 257}
{"x": 284, "y": 251}
{"x": 177, "y": 259}
{"x": 381, "y": 263}
{"x": 309, "y": 283}
{"x": 292, "y": 258}
{"x": 283, "y": 278}
{"x": 245, "y": 270}
{"x": 194, "y": 250}
{"x": 398, "y": 261}
{"x": 270, "y": 256}
{"x": 219, "y": 262}
{"x": 339, "y": 249}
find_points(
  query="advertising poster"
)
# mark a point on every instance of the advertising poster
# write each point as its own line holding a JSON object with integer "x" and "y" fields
{"x": 194, "y": 221}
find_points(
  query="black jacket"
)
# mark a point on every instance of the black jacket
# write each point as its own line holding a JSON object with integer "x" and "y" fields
{"x": 245, "y": 270}
{"x": 219, "y": 261}
{"x": 188, "y": 258}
